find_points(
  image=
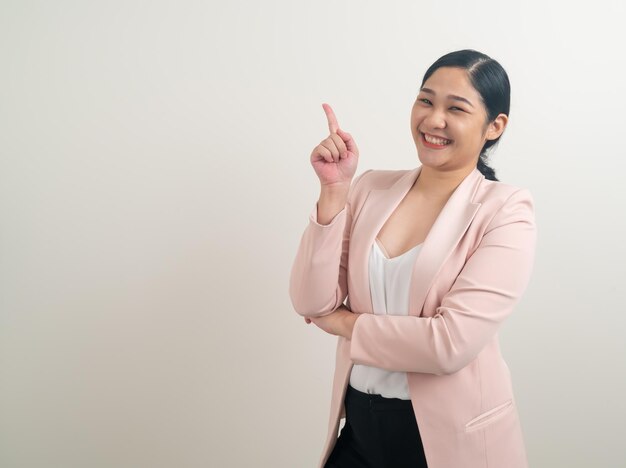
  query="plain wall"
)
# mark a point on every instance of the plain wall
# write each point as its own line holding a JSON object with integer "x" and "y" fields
{"x": 155, "y": 182}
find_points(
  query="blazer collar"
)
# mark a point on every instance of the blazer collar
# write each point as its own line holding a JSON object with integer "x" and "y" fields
{"x": 447, "y": 230}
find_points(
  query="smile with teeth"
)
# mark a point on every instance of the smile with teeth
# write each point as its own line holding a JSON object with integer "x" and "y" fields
{"x": 435, "y": 140}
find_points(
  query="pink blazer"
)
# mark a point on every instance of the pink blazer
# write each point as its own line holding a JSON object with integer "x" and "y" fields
{"x": 472, "y": 269}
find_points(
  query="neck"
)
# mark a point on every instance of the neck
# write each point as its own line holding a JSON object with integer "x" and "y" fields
{"x": 436, "y": 185}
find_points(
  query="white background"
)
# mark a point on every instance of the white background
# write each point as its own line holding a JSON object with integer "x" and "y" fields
{"x": 155, "y": 182}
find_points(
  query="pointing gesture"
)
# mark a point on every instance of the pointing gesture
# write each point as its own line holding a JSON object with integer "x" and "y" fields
{"x": 332, "y": 120}
{"x": 335, "y": 158}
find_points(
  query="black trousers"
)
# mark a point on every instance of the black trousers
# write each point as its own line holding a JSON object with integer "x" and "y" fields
{"x": 379, "y": 433}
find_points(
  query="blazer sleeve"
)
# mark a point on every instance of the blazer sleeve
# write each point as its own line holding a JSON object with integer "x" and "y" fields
{"x": 318, "y": 282}
{"x": 484, "y": 293}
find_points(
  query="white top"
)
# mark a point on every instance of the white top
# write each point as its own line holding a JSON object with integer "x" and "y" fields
{"x": 390, "y": 279}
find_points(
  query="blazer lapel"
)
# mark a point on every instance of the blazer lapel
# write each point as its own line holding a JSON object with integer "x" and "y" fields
{"x": 447, "y": 230}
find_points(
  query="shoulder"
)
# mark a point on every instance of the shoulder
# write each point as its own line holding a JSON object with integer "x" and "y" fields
{"x": 373, "y": 179}
{"x": 504, "y": 203}
{"x": 496, "y": 193}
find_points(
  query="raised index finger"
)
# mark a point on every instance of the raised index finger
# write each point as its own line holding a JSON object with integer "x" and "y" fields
{"x": 332, "y": 120}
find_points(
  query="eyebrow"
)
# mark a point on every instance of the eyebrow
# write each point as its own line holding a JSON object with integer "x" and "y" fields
{"x": 451, "y": 96}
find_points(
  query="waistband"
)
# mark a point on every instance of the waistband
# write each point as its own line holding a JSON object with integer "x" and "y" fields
{"x": 376, "y": 401}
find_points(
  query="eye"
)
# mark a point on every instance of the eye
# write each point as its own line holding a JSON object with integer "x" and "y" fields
{"x": 454, "y": 107}
{"x": 425, "y": 101}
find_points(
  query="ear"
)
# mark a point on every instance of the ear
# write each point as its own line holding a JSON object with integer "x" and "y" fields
{"x": 497, "y": 126}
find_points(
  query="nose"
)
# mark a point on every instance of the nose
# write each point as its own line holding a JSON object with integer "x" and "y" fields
{"x": 435, "y": 120}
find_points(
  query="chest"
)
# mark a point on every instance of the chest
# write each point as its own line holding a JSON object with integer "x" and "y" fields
{"x": 409, "y": 224}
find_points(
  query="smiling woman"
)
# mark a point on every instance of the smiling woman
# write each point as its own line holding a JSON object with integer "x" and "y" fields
{"x": 464, "y": 97}
{"x": 431, "y": 261}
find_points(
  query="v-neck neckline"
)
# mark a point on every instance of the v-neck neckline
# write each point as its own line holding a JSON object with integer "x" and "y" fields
{"x": 386, "y": 255}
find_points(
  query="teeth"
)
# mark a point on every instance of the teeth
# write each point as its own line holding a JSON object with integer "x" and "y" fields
{"x": 436, "y": 141}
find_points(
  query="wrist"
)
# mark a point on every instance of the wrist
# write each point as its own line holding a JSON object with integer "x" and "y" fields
{"x": 337, "y": 189}
{"x": 350, "y": 320}
{"x": 329, "y": 206}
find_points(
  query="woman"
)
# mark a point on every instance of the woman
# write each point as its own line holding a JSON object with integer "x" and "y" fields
{"x": 431, "y": 260}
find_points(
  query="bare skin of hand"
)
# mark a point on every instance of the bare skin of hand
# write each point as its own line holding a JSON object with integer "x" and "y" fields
{"x": 340, "y": 322}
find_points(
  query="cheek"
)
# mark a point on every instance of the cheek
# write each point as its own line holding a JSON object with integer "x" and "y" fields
{"x": 469, "y": 133}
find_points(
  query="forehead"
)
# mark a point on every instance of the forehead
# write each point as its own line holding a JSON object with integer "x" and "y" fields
{"x": 452, "y": 80}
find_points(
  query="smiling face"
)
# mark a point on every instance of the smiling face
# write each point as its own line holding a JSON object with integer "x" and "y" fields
{"x": 448, "y": 107}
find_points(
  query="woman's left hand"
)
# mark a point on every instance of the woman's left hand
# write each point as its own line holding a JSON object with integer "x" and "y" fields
{"x": 340, "y": 322}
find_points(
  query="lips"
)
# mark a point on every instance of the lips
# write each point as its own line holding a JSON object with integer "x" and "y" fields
{"x": 439, "y": 142}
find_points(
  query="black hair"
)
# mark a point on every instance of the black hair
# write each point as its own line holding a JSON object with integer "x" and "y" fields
{"x": 492, "y": 83}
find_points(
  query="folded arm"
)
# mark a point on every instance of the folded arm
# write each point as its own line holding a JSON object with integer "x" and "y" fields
{"x": 483, "y": 295}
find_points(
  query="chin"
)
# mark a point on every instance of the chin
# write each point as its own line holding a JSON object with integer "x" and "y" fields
{"x": 432, "y": 160}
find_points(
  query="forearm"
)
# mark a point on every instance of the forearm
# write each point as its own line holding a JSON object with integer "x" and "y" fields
{"x": 409, "y": 344}
{"x": 350, "y": 320}
{"x": 319, "y": 278}
{"x": 318, "y": 283}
